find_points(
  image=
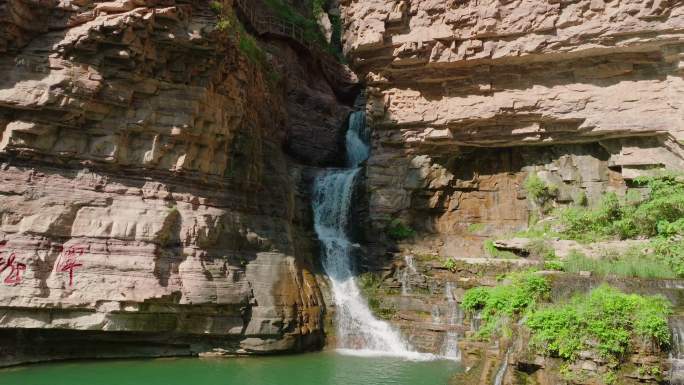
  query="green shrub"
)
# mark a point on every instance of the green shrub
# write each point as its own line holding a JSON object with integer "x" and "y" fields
{"x": 538, "y": 190}
{"x": 216, "y": 6}
{"x": 397, "y": 230}
{"x": 610, "y": 378}
{"x": 590, "y": 225}
{"x": 554, "y": 265}
{"x": 500, "y": 304}
{"x": 660, "y": 213}
{"x": 669, "y": 250}
{"x": 318, "y": 7}
{"x": 604, "y": 319}
{"x": 449, "y": 264}
{"x": 249, "y": 46}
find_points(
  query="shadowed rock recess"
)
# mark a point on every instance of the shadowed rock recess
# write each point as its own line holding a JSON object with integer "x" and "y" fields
{"x": 465, "y": 98}
{"x": 150, "y": 203}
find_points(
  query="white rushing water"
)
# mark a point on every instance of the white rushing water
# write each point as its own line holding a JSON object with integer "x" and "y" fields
{"x": 358, "y": 331}
{"x": 677, "y": 351}
{"x": 357, "y": 139}
{"x": 450, "y": 348}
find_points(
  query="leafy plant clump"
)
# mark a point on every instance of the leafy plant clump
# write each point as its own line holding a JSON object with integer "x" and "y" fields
{"x": 605, "y": 320}
{"x": 554, "y": 265}
{"x": 216, "y": 7}
{"x": 660, "y": 214}
{"x": 500, "y": 304}
{"x": 397, "y": 230}
{"x": 538, "y": 190}
{"x": 247, "y": 44}
{"x": 450, "y": 264}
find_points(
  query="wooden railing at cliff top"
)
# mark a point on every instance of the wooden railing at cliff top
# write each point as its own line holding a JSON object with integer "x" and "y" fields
{"x": 268, "y": 24}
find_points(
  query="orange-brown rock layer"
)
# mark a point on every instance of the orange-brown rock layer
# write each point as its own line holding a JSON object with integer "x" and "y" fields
{"x": 148, "y": 193}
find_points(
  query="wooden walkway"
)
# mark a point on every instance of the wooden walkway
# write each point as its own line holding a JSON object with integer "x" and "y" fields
{"x": 265, "y": 24}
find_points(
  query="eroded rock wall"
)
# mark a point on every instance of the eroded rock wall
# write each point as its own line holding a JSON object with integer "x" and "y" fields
{"x": 149, "y": 200}
{"x": 468, "y": 98}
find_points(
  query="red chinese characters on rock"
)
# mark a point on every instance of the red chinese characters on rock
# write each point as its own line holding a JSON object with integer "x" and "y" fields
{"x": 68, "y": 261}
{"x": 15, "y": 268}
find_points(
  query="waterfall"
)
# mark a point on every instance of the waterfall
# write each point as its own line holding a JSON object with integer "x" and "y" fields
{"x": 677, "y": 351}
{"x": 450, "y": 348}
{"x": 356, "y": 139}
{"x": 358, "y": 331}
{"x": 406, "y": 275}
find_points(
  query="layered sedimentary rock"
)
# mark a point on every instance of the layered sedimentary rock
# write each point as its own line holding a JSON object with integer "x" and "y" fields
{"x": 148, "y": 205}
{"x": 468, "y": 98}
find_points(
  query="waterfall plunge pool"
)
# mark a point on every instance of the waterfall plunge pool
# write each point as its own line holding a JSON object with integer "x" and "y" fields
{"x": 326, "y": 368}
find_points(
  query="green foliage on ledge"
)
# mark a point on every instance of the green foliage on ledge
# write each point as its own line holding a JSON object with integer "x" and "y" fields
{"x": 502, "y": 304}
{"x": 247, "y": 44}
{"x": 660, "y": 214}
{"x": 538, "y": 190}
{"x": 605, "y": 320}
{"x": 397, "y": 230}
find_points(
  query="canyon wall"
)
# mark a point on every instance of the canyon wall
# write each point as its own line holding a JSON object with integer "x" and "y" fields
{"x": 468, "y": 98}
{"x": 152, "y": 198}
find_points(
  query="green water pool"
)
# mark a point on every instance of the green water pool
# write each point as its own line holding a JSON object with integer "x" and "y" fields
{"x": 326, "y": 368}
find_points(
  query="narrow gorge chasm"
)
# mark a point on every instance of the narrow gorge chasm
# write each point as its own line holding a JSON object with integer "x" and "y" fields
{"x": 342, "y": 192}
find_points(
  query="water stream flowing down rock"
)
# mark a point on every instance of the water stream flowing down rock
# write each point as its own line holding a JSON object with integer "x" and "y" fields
{"x": 450, "y": 348}
{"x": 677, "y": 351}
{"x": 358, "y": 331}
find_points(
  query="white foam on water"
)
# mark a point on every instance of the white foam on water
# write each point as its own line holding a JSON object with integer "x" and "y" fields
{"x": 411, "y": 356}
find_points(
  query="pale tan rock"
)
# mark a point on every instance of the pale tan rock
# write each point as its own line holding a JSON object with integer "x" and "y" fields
{"x": 587, "y": 93}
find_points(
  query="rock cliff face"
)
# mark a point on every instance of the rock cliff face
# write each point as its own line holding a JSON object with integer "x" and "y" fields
{"x": 467, "y": 98}
{"x": 149, "y": 203}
